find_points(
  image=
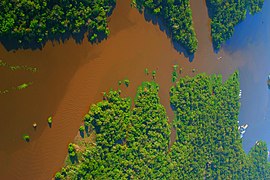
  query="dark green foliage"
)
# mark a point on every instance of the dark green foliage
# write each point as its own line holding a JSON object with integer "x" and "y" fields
{"x": 177, "y": 16}
{"x": 206, "y": 123}
{"x": 228, "y": 13}
{"x": 148, "y": 137}
{"x": 35, "y": 21}
{"x": 208, "y": 143}
{"x": 258, "y": 156}
{"x": 255, "y": 6}
{"x": 134, "y": 144}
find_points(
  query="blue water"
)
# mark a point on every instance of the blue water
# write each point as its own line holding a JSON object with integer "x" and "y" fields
{"x": 250, "y": 45}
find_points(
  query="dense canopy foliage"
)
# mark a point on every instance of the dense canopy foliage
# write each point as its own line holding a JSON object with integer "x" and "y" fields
{"x": 134, "y": 143}
{"x": 225, "y": 14}
{"x": 177, "y": 16}
{"x": 33, "y": 21}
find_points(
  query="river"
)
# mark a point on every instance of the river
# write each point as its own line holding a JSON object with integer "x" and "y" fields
{"x": 72, "y": 76}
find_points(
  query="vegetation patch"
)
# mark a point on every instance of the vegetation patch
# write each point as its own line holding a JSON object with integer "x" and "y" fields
{"x": 17, "y": 67}
{"x": 26, "y": 138}
{"x": 134, "y": 143}
{"x": 19, "y": 87}
{"x": 226, "y": 14}
{"x": 34, "y": 22}
{"x": 177, "y": 16}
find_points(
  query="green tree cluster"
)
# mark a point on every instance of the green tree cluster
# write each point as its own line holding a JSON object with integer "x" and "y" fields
{"x": 35, "y": 21}
{"x": 208, "y": 143}
{"x": 177, "y": 16}
{"x": 255, "y": 6}
{"x": 225, "y": 14}
{"x": 133, "y": 143}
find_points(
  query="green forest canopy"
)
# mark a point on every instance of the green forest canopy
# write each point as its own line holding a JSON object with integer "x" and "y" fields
{"x": 35, "y": 21}
{"x": 133, "y": 143}
{"x": 225, "y": 14}
{"x": 177, "y": 16}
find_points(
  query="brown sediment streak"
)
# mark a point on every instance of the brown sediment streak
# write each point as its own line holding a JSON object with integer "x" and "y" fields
{"x": 72, "y": 76}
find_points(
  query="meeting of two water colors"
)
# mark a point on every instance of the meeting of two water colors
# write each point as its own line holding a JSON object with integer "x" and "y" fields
{"x": 71, "y": 77}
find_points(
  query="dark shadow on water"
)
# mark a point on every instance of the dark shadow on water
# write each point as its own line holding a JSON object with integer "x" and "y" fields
{"x": 74, "y": 159}
{"x": 162, "y": 26}
{"x": 87, "y": 130}
{"x": 82, "y": 134}
{"x": 12, "y": 44}
{"x": 172, "y": 107}
{"x": 50, "y": 125}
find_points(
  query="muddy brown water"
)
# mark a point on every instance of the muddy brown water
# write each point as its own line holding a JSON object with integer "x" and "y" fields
{"x": 72, "y": 76}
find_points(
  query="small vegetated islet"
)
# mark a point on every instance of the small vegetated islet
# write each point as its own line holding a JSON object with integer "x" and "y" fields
{"x": 18, "y": 67}
{"x": 26, "y": 138}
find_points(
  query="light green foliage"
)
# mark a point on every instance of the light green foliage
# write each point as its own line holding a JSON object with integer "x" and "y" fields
{"x": 226, "y": 14}
{"x": 134, "y": 143}
{"x": 26, "y": 138}
{"x": 17, "y": 67}
{"x": 58, "y": 176}
{"x": 81, "y": 129}
{"x": 174, "y": 73}
{"x": 19, "y": 87}
{"x": 154, "y": 73}
{"x": 71, "y": 150}
{"x": 23, "y": 86}
{"x": 126, "y": 82}
{"x": 177, "y": 16}
{"x": 146, "y": 71}
{"x": 34, "y": 21}
{"x": 110, "y": 119}
{"x": 50, "y": 120}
